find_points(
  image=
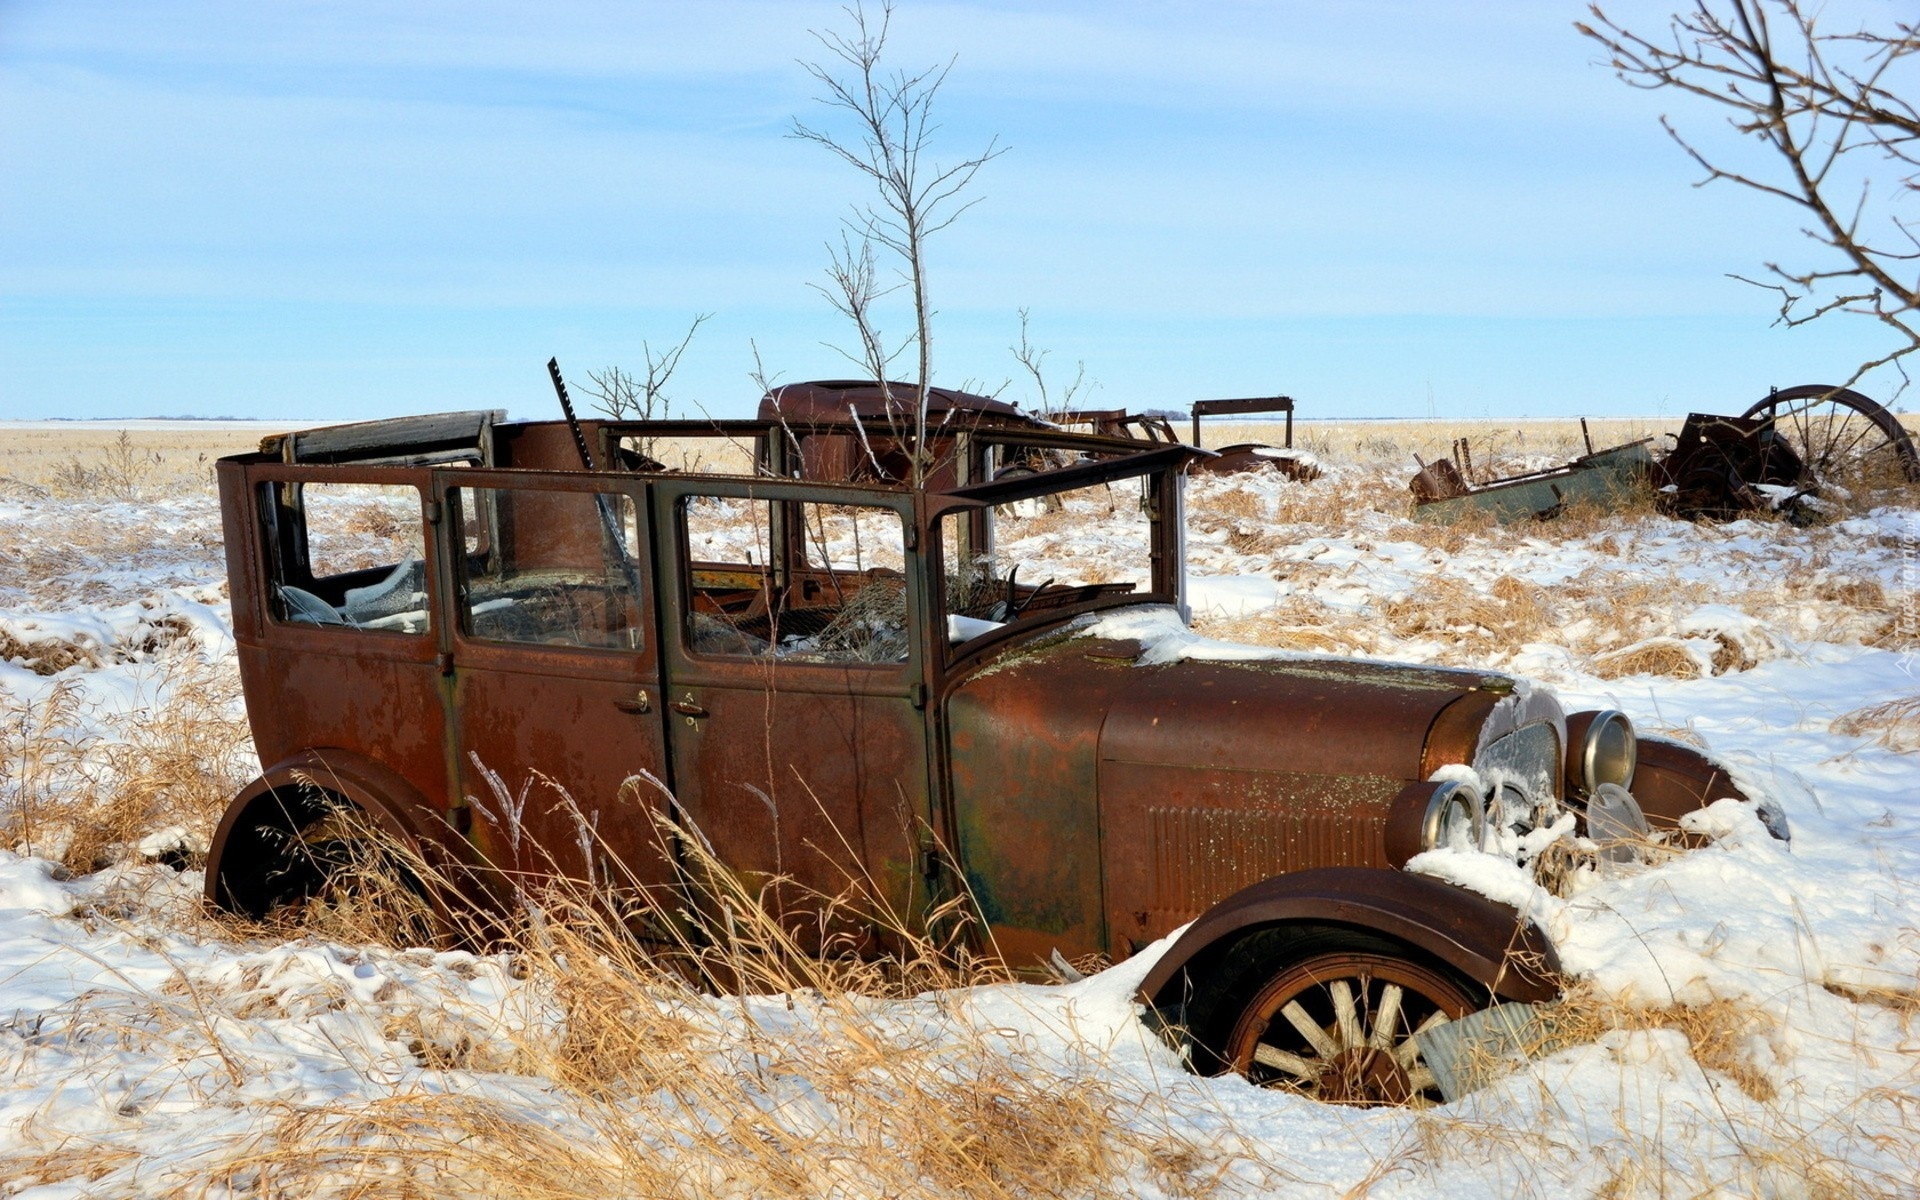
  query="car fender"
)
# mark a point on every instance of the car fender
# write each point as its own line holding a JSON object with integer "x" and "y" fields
{"x": 395, "y": 806}
{"x": 1488, "y": 942}
{"x": 1673, "y": 779}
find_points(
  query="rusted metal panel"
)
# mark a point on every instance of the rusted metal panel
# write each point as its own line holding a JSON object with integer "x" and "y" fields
{"x": 1201, "y": 794}
{"x": 365, "y": 691}
{"x": 1255, "y": 827}
{"x": 304, "y": 692}
{"x": 1339, "y": 716}
{"x": 800, "y": 776}
{"x": 1604, "y": 478}
{"x": 1456, "y": 730}
{"x": 1718, "y": 464}
{"x": 1025, "y": 774}
{"x": 571, "y": 738}
{"x": 1673, "y": 780}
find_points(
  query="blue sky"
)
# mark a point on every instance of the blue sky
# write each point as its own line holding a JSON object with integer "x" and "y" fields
{"x": 347, "y": 210}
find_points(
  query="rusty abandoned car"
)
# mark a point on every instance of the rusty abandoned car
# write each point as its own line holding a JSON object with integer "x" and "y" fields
{"x": 831, "y": 680}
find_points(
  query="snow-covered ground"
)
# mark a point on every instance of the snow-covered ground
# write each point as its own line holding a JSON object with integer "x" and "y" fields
{"x": 1763, "y": 998}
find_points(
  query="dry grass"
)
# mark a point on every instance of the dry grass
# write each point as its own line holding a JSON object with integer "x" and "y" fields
{"x": 84, "y": 789}
{"x": 648, "y": 1083}
{"x": 1895, "y": 724}
{"x": 1663, "y": 656}
{"x": 1495, "y": 444}
{"x": 108, "y": 461}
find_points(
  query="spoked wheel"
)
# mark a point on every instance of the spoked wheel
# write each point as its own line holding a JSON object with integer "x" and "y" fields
{"x": 1341, "y": 1027}
{"x": 1845, "y": 443}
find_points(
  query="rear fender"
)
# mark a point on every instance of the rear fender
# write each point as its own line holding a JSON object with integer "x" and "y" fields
{"x": 247, "y": 844}
{"x": 1489, "y": 943}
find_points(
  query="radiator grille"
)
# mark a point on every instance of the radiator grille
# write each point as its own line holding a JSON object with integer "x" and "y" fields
{"x": 1202, "y": 855}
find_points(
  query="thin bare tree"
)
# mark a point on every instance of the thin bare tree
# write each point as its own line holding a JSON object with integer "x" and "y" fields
{"x": 1034, "y": 360}
{"x": 1840, "y": 135}
{"x": 890, "y": 114}
{"x": 852, "y": 289}
{"x": 624, "y": 396}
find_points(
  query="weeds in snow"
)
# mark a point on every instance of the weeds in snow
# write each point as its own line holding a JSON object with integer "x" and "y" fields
{"x": 87, "y": 789}
{"x": 1894, "y": 724}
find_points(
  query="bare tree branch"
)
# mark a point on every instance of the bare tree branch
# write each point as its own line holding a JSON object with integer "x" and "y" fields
{"x": 1033, "y": 358}
{"x": 1842, "y": 137}
{"x": 626, "y": 397}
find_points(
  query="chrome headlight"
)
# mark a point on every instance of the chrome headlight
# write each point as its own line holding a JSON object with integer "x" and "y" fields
{"x": 1456, "y": 818}
{"x": 1608, "y": 753}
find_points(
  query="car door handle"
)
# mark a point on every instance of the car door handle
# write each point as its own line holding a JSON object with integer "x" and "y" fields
{"x": 641, "y": 703}
{"x": 687, "y": 708}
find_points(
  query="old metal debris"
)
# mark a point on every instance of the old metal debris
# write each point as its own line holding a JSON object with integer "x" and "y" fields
{"x": 1797, "y": 451}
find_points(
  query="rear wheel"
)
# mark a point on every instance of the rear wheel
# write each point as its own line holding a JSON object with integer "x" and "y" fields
{"x": 1335, "y": 1016}
{"x": 305, "y": 855}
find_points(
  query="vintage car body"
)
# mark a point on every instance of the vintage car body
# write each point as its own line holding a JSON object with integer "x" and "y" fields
{"x": 859, "y": 431}
{"x": 833, "y": 681}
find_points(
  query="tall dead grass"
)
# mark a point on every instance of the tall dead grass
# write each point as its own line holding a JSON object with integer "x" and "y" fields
{"x": 653, "y": 1083}
{"x": 1894, "y": 724}
{"x": 105, "y": 461}
{"x": 85, "y": 788}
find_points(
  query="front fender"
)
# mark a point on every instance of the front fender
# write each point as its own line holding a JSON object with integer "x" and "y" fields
{"x": 1488, "y": 942}
{"x": 1673, "y": 780}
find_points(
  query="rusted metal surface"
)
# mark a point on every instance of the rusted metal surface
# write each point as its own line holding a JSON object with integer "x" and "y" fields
{"x": 1604, "y": 478}
{"x": 859, "y": 431}
{"x": 1247, "y": 407}
{"x": 1718, "y": 465}
{"x": 575, "y": 669}
{"x": 851, "y": 431}
{"x": 1118, "y": 423}
{"x": 1242, "y": 457}
{"x": 1488, "y": 942}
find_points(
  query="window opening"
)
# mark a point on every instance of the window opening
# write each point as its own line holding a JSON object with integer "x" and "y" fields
{"x": 346, "y": 555}
{"x": 550, "y": 567}
{"x": 795, "y": 580}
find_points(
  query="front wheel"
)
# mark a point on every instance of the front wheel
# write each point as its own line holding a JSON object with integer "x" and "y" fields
{"x": 1334, "y": 1018}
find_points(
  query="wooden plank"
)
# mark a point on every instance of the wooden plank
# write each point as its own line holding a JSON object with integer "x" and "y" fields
{"x": 392, "y": 439}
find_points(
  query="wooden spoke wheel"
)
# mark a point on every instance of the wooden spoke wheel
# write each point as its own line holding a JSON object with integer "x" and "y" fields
{"x": 1342, "y": 1027}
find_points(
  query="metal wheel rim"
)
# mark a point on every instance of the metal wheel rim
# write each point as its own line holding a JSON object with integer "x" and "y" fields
{"x": 1341, "y": 1028}
{"x": 1842, "y": 437}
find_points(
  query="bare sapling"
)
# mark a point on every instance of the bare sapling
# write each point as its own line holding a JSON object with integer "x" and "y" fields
{"x": 1033, "y": 360}
{"x": 890, "y": 114}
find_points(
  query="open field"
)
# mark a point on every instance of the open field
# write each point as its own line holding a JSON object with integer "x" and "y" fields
{"x": 1746, "y": 1014}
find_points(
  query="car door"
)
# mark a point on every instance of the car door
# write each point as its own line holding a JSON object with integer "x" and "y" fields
{"x": 793, "y": 661}
{"x": 552, "y": 676}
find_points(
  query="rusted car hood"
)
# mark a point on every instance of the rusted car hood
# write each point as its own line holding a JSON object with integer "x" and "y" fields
{"x": 1099, "y": 803}
{"x": 1300, "y": 716}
